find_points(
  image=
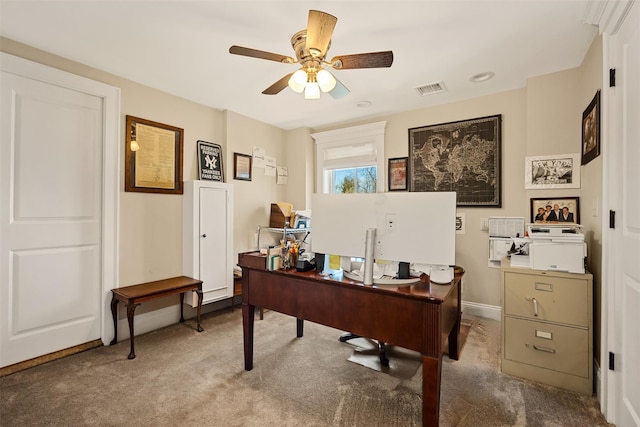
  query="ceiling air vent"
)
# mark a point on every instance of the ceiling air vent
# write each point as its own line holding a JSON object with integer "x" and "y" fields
{"x": 431, "y": 88}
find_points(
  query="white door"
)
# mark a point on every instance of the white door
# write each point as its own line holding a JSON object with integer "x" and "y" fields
{"x": 625, "y": 178}
{"x": 214, "y": 262}
{"x": 51, "y": 215}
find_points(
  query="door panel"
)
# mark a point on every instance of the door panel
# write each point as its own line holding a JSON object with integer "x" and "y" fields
{"x": 626, "y": 99}
{"x": 213, "y": 248}
{"x": 50, "y": 218}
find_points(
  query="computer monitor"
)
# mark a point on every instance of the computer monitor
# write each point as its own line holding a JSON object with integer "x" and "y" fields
{"x": 412, "y": 227}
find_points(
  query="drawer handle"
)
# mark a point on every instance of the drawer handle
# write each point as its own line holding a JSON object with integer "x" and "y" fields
{"x": 545, "y": 349}
{"x": 535, "y": 307}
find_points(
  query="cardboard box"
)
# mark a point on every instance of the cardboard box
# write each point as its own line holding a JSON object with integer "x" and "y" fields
{"x": 280, "y": 215}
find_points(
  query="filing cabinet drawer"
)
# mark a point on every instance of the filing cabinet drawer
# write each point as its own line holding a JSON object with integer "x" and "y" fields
{"x": 554, "y": 347}
{"x": 553, "y": 298}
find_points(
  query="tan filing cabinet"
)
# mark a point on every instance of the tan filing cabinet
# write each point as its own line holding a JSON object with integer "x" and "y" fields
{"x": 547, "y": 332}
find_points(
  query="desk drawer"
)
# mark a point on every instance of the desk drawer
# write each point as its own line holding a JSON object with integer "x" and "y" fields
{"x": 558, "y": 348}
{"x": 558, "y": 299}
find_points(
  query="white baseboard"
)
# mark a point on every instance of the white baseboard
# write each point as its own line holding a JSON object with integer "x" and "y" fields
{"x": 483, "y": 310}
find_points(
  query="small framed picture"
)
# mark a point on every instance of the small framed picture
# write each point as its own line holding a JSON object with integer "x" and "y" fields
{"x": 210, "y": 162}
{"x": 552, "y": 171}
{"x": 398, "y": 173}
{"x": 242, "y": 166}
{"x": 553, "y": 210}
{"x": 591, "y": 130}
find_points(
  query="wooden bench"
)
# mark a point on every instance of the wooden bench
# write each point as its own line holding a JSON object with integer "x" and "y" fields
{"x": 134, "y": 295}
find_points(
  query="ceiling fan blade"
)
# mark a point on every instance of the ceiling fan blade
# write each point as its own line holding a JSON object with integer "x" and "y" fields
{"x": 254, "y": 53}
{"x": 339, "y": 91}
{"x": 277, "y": 87}
{"x": 363, "y": 60}
{"x": 319, "y": 30}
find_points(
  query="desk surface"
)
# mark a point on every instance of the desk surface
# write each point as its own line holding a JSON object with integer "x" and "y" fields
{"x": 420, "y": 317}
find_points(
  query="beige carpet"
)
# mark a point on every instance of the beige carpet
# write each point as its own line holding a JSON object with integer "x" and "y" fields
{"x": 184, "y": 378}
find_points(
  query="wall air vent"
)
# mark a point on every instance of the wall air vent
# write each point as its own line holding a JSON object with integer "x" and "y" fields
{"x": 431, "y": 88}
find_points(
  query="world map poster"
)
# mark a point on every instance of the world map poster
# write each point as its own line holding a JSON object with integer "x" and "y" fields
{"x": 461, "y": 156}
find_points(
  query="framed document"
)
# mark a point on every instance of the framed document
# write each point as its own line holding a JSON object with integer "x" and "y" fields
{"x": 155, "y": 164}
{"x": 210, "y": 162}
{"x": 242, "y": 167}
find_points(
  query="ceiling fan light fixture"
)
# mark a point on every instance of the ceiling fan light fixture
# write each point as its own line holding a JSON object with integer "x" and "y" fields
{"x": 298, "y": 81}
{"x": 312, "y": 91}
{"x": 326, "y": 81}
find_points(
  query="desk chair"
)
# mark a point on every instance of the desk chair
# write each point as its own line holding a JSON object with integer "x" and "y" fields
{"x": 381, "y": 346}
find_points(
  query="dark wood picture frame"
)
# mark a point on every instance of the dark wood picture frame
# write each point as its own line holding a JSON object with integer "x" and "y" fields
{"x": 242, "y": 164}
{"x": 398, "y": 173}
{"x": 591, "y": 130}
{"x": 157, "y": 166}
{"x": 464, "y": 156}
{"x": 210, "y": 164}
{"x": 571, "y": 203}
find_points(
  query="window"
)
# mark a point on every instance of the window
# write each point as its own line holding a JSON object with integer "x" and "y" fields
{"x": 350, "y": 160}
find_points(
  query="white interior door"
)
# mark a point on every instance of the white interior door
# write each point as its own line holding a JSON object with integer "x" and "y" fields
{"x": 214, "y": 262}
{"x": 51, "y": 216}
{"x": 626, "y": 240}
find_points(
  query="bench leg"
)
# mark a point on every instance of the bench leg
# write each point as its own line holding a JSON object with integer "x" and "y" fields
{"x": 200, "y": 297}
{"x": 181, "y": 307}
{"x": 114, "y": 313}
{"x": 130, "y": 311}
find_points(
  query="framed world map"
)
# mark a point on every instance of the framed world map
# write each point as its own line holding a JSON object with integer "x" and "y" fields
{"x": 462, "y": 156}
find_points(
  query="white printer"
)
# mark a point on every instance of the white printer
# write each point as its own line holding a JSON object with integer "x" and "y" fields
{"x": 557, "y": 247}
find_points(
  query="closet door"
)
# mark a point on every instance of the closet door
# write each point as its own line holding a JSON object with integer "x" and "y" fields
{"x": 208, "y": 238}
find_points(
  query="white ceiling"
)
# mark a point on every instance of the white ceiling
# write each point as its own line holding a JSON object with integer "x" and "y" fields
{"x": 182, "y": 47}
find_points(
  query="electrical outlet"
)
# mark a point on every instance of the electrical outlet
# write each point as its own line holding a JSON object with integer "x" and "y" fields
{"x": 484, "y": 224}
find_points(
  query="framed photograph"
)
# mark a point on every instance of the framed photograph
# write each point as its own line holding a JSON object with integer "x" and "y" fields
{"x": 398, "y": 173}
{"x": 591, "y": 130}
{"x": 242, "y": 166}
{"x": 552, "y": 210}
{"x": 557, "y": 171}
{"x": 210, "y": 162}
{"x": 153, "y": 157}
{"x": 462, "y": 156}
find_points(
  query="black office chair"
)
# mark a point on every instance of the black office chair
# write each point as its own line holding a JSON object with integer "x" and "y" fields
{"x": 403, "y": 273}
{"x": 381, "y": 346}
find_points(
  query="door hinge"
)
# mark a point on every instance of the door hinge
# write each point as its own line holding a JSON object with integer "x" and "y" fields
{"x": 612, "y": 361}
{"x": 612, "y": 219}
{"x": 612, "y": 77}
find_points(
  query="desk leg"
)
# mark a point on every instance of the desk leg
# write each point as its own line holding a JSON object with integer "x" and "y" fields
{"x": 454, "y": 340}
{"x": 114, "y": 313}
{"x": 299, "y": 328}
{"x": 431, "y": 374}
{"x": 200, "y": 296}
{"x": 248, "y": 311}
{"x": 130, "y": 312}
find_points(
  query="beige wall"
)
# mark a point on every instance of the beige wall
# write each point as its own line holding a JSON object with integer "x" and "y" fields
{"x": 150, "y": 238}
{"x": 543, "y": 118}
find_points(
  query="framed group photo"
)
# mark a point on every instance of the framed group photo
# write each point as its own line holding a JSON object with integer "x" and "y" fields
{"x": 555, "y": 210}
{"x": 552, "y": 171}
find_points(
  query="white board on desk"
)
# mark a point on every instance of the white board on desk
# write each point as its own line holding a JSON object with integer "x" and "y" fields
{"x": 416, "y": 227}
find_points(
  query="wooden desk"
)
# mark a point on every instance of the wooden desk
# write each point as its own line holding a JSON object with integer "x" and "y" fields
{"x": 419, "y": 317}
{"x": 134, "y": 295}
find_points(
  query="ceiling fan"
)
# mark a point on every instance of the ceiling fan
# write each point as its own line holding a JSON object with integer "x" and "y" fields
{"x": 310, "y": 46}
